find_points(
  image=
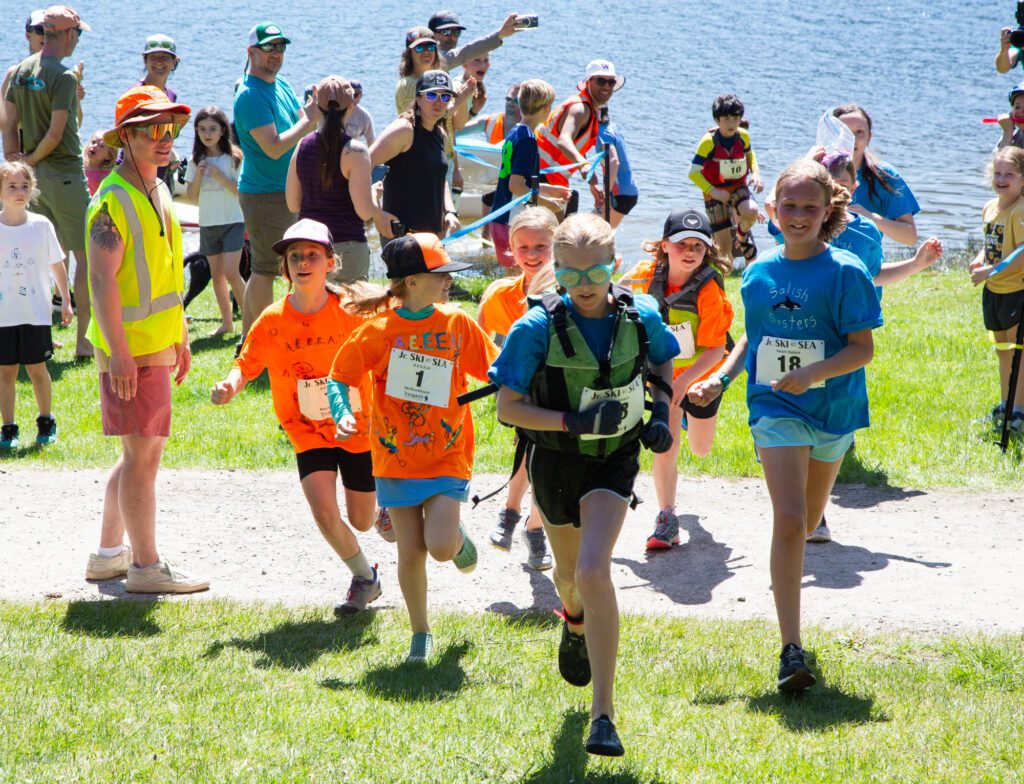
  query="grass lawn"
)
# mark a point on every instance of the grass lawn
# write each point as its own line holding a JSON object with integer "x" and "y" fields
{"x": 210, "y": 691}
{"x": 933, "y": 378}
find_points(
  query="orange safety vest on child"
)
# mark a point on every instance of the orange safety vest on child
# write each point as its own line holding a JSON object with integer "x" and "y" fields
{"x": 547, "y": 137}
{"x": 419, "y": 367}
{"x": 297, "y": 349}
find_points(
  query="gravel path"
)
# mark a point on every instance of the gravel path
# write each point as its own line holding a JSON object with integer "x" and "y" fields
{"x": 923, "y": 561}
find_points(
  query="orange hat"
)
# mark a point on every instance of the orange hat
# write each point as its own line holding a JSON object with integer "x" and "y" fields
{"x": 139, "y": 105}
{"x": 412, "y": 254}
{"x": 334, "y": 89}
{"x": 63, "y": 17}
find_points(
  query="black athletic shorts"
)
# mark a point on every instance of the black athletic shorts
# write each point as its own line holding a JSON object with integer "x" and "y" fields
{"x": 1001, "y": 311}
{"x": 701, "y": 412}
{"x": 25, "y": 344}
{"x": 355, "y": 467}
{"x": 560, "y": 480}
{"x": 623, "y": 204}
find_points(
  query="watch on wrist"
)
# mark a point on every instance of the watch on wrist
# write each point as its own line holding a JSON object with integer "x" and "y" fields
{"x": 723, "y": 379}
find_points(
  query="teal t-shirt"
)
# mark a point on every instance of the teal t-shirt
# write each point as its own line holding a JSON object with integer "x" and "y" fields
{"x": 259, "y": 103}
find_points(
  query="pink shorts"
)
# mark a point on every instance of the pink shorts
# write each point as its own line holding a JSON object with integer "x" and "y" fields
{"x": 146, "y": 414}
{"x": 502, "y": 244}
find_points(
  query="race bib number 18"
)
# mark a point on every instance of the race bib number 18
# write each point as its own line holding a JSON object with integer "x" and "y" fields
{"x": 419, "y": 378}
{"x": 778, "y": 356}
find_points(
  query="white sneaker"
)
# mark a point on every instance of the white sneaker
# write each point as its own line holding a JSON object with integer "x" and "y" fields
{"x": 101, "y": 568}
{"x": 821, "y": 533}
{"x": 161, "y": 577}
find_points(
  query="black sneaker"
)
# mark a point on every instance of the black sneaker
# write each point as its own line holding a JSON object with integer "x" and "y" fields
{"x": 573, "y": 663}
{"x": 46, "y": 427}
{"x": 603, "y": 739}
{"x": 794, "y": 674}
{"x": 9, "y": 436}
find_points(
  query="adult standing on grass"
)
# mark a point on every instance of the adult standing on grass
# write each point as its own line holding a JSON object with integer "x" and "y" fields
{"x": 139, "y": 331}
{"x": 269, "y": 121}
{"x": 43, "y": 96}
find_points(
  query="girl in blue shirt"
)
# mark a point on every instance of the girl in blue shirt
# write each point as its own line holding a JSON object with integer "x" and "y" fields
{"x": 809, "y": 311}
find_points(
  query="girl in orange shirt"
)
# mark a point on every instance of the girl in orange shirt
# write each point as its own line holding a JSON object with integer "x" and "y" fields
{"x": 685, "y": 277}
{"x": 296, "y": 339}
{"x": 419, "y": 355}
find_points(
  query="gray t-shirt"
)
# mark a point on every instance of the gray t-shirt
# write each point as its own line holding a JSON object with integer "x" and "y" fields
{"x": 40, "y": 86}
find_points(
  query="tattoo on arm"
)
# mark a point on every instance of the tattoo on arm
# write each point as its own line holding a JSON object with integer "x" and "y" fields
{"x": 104, "y": 232}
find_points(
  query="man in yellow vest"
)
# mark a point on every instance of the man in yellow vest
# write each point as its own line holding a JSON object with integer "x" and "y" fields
{"x": 136, "y": 281}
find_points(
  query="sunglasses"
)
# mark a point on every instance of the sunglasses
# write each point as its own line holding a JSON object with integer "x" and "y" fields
{"x": 598, "y": 274}
{"x": 510, "y": 101}
{"x": 603, "y": 81}
{"x": 37, "y": 29}
{"x": 432, "y": 96}
{"x": 160, "y": 45}
{"x": 421, "y": 48}
{"x": 272, "y": 47}
{"x": 449, "y": 33}
{"x": 157, "y": 131}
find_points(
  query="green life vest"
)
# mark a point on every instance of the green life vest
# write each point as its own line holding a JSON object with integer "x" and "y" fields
{"x": 571, "y": 367}
{"x": 679, "y": 310}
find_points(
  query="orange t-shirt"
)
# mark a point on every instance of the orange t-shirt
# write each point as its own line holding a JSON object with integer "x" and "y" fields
{"x": 297, "y": 350}
{"x": 503, "y": 303}
{"x": 713, "y": 309}
{"x": 418, "y": 367}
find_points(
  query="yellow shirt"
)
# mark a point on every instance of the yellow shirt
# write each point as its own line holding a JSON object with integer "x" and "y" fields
{"x": 1004, "y": 232}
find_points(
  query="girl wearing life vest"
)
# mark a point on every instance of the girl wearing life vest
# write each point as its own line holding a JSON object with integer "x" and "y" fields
{"x": 809, "y": 310}
{"x": 295, "y": 340}
{"x": 419, "y": 351}
{"x": 572, "y": 375}
{"x": 685, "y": 278}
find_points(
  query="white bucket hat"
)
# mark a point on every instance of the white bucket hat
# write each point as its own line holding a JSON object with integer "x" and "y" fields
{"x": 603, "y": 68}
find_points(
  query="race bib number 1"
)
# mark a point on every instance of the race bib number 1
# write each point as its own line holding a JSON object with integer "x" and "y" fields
{"x": 631, "y": 396}
{"x": 419, "y": 378}
{"x": 778, "y": 356}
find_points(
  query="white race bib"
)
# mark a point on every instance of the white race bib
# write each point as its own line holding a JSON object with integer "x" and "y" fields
{"x": 684, "y": 337}
{"x": 419, "y": 378}
{"x": 313, "y": 402}
{"x": 732, "y": 170}
{"x": 778, "y": 356}
{"x": 631, "y": 396}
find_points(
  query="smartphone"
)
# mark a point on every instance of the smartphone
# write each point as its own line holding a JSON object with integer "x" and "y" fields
{"x": 398, "y": 228}
{"x": 526, "y": 21}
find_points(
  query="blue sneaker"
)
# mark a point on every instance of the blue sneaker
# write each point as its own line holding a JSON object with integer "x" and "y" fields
{"x": 9, "y": 436}
{"x": 47, "y": 430}
{"x": 421, "y": 648}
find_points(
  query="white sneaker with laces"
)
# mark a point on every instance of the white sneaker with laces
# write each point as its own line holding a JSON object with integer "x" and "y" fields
{"x": 821, "y": 533}
{"x": 161, "y": 577}
{"x": 115, "y": 566}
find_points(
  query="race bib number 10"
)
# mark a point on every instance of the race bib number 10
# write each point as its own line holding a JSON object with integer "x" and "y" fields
{"x": 732, "y": 169}
{"x": 419, "y": 378}
{"x": 778, "y": 356}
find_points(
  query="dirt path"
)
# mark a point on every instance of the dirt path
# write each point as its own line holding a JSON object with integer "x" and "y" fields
{"x": 927, "y": 562}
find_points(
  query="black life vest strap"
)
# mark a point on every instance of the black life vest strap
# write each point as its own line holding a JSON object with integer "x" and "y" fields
{"x": 517, "y": 460}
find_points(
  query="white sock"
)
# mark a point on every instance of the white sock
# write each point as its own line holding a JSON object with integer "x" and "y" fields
{"x": 359, "y": 566}
{"x": 109, "y": 552}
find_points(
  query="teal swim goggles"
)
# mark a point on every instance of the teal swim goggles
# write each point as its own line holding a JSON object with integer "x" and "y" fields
{"x": 598, "y": 274}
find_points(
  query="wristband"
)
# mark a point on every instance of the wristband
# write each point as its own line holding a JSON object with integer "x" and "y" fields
{"x": 723, "y": 379}
{"x": 472, "y": 112}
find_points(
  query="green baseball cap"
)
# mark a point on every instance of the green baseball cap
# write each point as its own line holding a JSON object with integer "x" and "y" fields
{"x": 264, "y": 33}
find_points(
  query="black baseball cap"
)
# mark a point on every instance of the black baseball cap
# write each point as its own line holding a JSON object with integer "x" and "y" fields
{"x": 412, "y": 254}
{"x": 445, "y": 20}
{"x": 434, "y": 80}
{"x": 687, "y": 224}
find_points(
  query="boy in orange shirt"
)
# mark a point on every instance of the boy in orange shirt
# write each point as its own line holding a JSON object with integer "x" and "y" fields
{"x": 295, "y": 340}
{"x": 419, "y": 351}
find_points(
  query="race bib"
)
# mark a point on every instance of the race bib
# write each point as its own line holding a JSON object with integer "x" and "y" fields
{"x": 419, "y": 378}
{"x": 313, "y": 404}
{"x": 631, "y": 396}
{"x": 778, "y": 356}
{"x": 732, "y": 169}
{"x": 684, "y": 337}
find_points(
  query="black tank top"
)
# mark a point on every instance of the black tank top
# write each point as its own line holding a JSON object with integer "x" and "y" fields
{"x": 414, "y": 185}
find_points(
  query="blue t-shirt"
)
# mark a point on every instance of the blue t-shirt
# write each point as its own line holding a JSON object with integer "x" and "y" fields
{"x": 526, "y": 347}
{"x": 259, "y": 103}
{"x": 519, "y": 155}
{"x": 609, "y": 134}
{"x": 825, "y": 297}
{"x": 861, "y": 237}
{"x": 884, "y": 202}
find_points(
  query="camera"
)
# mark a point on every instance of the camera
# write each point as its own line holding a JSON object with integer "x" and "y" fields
{"x": 526, "y": 21}
{"x": 1017, "y": 36}
{"x": 398, "y": 229}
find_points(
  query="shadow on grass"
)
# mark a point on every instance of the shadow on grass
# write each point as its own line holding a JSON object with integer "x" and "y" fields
{"x": 207, "y": 343}
{"x": 839, "y": 566}
{"x": 688, "y": 574}
{"x": 296, "y": 645}
{"x": 538, "y": 614}
{"x": 568, "y": 759}
{"x": 817, "y": 709}
{"x": 441, "y": 678}
{"x": 112, "y": 617}
{"x": 855, "y": 472}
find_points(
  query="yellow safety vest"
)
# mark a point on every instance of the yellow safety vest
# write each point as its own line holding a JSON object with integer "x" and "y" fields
{"x": 151, "y": 278}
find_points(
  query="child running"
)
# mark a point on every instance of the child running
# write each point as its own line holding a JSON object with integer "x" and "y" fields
{"x": 1003, "y": 296}
{"x": 295, "y": 340}
{"x": 213, "y": 181}
{"x": 504, "y": 301}
{"x": 29, "y": 254}
{"x": 419, "y": 351}
{"x": 572, "y": 376}
{"x": 721, "y": 167}
{"x": 809, "y": 311}
{"x": 685, "y": 279}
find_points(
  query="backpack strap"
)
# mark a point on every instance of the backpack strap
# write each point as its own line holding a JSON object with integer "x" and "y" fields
{"x": 556, "y": 310}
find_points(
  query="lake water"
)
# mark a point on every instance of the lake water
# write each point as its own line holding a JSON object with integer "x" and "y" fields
{"x": 924, "y": 70}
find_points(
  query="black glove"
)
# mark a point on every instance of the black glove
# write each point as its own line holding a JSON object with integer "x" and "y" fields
{"x": 602, "y": 419}
{"x": 655, "y": 434}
